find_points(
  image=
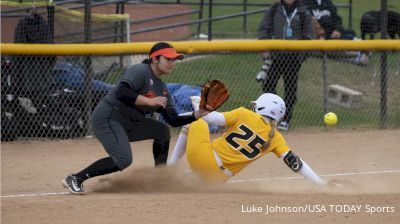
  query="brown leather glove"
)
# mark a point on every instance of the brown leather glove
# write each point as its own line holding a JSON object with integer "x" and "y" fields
{"x": 213, "y": 94}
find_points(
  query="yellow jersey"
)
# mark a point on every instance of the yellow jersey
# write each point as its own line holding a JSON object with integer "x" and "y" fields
{"x": 242, "y": 143}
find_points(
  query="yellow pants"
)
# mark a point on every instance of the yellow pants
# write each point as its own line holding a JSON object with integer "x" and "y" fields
{"x": 200, "y": 155}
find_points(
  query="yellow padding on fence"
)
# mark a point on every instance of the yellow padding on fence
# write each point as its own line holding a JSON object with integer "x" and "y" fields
{"x": 68, "y": 14}
{"x": 78, "y": 16}
{"x": 27, "y": 4}
{"x": 198, "y": 46}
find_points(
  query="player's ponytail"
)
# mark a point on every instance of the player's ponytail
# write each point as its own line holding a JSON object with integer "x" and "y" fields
{"x": 147, "y": 61}
{"x": 271, "y": 133}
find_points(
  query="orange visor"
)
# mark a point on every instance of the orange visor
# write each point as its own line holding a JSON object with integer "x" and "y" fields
{"x": 168, "y": 53}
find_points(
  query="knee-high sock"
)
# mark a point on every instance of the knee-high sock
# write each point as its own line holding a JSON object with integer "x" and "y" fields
{"x": 100, "y": 167}
{"x": 180, "y": 146}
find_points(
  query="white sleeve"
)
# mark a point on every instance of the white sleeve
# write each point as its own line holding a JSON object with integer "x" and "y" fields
{"x": 215, "y": 118}
{"x": 180, "y": 146}
{"x": 179, "y": 149}
{"x": 308, "y": 173}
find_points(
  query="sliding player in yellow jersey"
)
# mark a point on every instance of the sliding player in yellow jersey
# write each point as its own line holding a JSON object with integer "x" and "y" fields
{"x": 250, "y": 135}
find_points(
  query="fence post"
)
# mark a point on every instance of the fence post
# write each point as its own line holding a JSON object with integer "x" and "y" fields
{"x": 119, "y": 28}
{"x": 200, "y": 18}
{"x": 350, "y": 14}
{"x": 122, "y": 24}
{"x": 117, "y": 24}
{"x": 50, "y": 19}
{"x": 245, "y": 17}
{"x": 88, "y": 66}
{"x": 383, "y": 106}
{"x": 325, "y": 81}
{"x": 209, "y": 20}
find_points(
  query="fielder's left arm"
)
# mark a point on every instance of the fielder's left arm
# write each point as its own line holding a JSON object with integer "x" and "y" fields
{"x": 215, "y": 118}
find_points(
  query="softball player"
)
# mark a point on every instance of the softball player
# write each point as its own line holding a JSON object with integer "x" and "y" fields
{"x": 121, "y": 117}
{"x": 250, "y": 135}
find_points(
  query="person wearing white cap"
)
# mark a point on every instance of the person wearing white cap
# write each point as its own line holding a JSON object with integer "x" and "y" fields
{"x": 250, "y": 135}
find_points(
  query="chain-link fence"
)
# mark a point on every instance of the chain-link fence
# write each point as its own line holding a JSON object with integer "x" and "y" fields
{"x": 46, "y": 96}
{"x": 124, "y": 21}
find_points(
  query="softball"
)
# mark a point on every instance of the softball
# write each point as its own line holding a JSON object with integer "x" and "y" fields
{"x": 330, "y": 119}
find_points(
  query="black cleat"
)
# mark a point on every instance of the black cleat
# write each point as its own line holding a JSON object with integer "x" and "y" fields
{"x": 73, "y": 184}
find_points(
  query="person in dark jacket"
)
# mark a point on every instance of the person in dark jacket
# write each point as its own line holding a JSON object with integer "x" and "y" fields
{"x": 32, "y": 73}
{"x": 287, "y": 20}
{"x": 124, "y": 116}
{"x": 326, "y": 14}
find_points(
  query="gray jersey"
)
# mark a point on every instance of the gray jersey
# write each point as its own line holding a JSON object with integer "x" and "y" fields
{"x": 141, "y": 79}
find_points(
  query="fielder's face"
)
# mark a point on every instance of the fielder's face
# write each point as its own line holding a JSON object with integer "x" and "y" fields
{"x": 166, "y": 65}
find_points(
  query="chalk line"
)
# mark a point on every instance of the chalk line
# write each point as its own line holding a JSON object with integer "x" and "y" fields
{"x": 323, "y": 175}
{"x": 231, "y": 181}
{"x": 34, "y": 194}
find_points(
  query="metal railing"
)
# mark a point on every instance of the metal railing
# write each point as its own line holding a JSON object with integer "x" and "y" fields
{"x": 245, "y": 4}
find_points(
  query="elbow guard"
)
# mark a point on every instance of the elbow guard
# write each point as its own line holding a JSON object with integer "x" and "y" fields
{"x": 293, "y": 161}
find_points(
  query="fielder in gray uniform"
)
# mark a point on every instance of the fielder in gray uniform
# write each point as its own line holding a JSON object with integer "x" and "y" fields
{"x": 120, "y": 118}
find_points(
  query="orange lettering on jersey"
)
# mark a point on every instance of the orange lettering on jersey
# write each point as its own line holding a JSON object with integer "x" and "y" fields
{"x": 150, "y": 94}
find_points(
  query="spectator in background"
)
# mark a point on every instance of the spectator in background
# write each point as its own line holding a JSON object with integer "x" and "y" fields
{"x": 287, "y": 20}
{"x": 325, "y": 12}
{"x": 32, "y": 73}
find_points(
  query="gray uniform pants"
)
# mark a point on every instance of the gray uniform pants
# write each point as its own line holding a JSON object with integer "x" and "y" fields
{"x": 115, "y": 132}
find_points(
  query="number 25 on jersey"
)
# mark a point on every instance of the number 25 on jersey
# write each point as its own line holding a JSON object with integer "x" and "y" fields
{"x": 251, "y": 145}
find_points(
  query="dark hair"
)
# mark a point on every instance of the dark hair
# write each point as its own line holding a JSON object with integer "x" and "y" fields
{"x": 156, "y": 47}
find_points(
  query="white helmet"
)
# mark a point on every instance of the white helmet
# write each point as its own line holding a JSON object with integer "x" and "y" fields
{"x": 270, "y": 105}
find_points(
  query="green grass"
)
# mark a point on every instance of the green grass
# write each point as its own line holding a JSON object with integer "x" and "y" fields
{"x": 238, "y": 71}
{"x": 309, "y": 109}
{"x": 363, "y": 79}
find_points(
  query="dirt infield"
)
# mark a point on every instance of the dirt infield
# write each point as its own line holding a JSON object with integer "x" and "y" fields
{"x": 366, "y": 162}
